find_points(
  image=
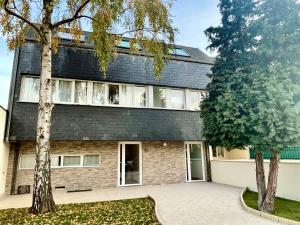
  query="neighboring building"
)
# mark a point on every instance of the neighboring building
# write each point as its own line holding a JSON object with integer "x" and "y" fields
{"x": 4, "y": 149}
{"x": 125, "y": 128}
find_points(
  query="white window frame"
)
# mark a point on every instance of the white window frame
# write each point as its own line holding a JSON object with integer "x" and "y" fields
{"x": 187, "y": 159}
{"x": 62, "y": 161}
{"x": 149, "y": 94}
{"x": 123, "y": 143}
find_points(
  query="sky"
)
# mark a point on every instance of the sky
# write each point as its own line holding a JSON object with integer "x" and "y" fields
{"x": 191, "y": 18}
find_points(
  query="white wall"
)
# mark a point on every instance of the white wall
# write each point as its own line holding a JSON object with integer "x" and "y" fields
{"x": 4, "y": 150}
{"x": 242, "y": 174}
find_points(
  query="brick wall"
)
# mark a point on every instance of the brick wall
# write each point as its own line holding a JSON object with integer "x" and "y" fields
{"x": 160, "y": 164}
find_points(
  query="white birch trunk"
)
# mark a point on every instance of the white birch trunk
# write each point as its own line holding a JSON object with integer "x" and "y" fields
{"x": 42, "y": 201}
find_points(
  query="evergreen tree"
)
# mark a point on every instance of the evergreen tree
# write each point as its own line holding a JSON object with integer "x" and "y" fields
{"x": 254, "y": 94}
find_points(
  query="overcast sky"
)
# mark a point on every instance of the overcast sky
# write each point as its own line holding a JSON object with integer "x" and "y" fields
{"x": 191, "y": 17}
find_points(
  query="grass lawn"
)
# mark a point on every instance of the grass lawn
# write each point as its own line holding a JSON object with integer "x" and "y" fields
{"x": 283, "y": 207}
{"x": 134, "y": 211}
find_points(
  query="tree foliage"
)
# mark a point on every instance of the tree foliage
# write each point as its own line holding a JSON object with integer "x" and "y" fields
{"x": 254, "y": 93}
{"x": 148, "y": 23}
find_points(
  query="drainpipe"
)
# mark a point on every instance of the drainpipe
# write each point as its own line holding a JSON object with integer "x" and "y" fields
{"x": 13, "y": 190}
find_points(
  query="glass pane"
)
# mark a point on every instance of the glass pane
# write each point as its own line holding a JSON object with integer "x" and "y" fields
{"x": 196, "y": 162}
{"x": 176, "y": 99}
{"x": 179, "y": 52}
{"x": 140, "y": 96}
{"x": 128, "y": 95}
{"x": 98, "y": 93}
{"x": 27, "y": 161}
{"x": 54, "y": 90}
{"x": 55, "y": 160}
{"x": 30, "y": 89}
{"x": 132, "y": 164}
{"x": 113, "y": 94}
{"x": 71, "y": 161}
{"x": 80, "y": 92}
{"x": 64, "y": 91}
{"x": 159, "y": 97}
{"x": 91, "y": 160}
{"x": 195, "y": 100}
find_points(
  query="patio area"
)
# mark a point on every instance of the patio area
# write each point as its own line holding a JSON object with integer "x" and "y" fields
{"x": 176, "y": 204}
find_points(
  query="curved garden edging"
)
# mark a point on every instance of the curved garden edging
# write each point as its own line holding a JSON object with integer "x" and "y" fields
{"x": 156, "y": 210}
{"x": 265, "y": 215}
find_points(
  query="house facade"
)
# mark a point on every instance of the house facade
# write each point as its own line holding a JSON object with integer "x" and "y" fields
{"x": 119, "y": 129}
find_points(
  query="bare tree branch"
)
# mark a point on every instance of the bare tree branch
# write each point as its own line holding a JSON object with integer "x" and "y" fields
{"x": 74, "y": 17}
{"x": 11, "y": 12}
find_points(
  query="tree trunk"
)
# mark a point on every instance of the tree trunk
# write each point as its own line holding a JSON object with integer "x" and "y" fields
{"x": 260, "y": 178}
{"x": 268, "y": 203}
{"x": 42, "y": 201}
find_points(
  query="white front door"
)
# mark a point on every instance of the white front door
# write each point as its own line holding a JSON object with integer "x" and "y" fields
{"x": 194, "y": 161}
{"x": 130, "y": 163}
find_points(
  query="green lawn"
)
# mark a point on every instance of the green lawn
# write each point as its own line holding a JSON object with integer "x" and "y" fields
{"x": 135, "y": 211}
{"x": 283, "y": 207}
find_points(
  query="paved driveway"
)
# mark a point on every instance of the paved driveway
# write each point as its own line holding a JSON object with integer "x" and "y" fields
{"x": 177, "y": 204}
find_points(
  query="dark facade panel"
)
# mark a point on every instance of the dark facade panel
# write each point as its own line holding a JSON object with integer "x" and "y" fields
{"x": 71, "y": 122}
{"x": 81, "y": 63}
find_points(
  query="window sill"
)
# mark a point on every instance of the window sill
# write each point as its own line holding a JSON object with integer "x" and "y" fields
{"x": 116, "y": 106}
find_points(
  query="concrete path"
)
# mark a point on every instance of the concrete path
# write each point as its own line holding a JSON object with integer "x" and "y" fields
{"x": 177, "y": 204}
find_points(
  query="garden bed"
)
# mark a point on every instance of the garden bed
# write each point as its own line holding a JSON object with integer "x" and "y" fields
{"x": 133, "y": 211}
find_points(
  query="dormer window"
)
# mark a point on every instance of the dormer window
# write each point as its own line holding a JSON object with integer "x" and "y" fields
{"x": 67, "y": 36}
{"x": 179, "y": 52}
{"x": 126, "y": 44}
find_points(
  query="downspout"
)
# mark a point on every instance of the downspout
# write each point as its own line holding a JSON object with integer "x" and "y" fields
{"x": 13, "y": 190}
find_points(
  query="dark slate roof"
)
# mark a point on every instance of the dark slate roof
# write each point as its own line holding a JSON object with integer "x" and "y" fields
{"x": 81, "y": 63}
{"x": 196, "y": 55}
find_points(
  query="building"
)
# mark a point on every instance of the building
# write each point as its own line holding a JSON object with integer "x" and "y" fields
{"x": 125, "y": 128}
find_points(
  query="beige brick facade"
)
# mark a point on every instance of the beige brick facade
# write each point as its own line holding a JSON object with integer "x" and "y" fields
{"x": 161, "y": 164}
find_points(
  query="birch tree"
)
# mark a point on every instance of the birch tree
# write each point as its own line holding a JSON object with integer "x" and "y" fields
{"x": 149, "y": 23}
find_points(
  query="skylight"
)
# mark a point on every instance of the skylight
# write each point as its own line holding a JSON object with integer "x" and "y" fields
{"x": 68, "y": 36}
{"x": 179, "y": 52}
{"x": 126, "y": 44}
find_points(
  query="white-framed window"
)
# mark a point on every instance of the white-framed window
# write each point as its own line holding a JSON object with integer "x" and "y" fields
{"x": 98, "y": 93}
{"x": 70, "y": 91}
{"x": 133, "y": 95}
{"x": 30, "y": 87}
{"x": 113, "y": 94}
{"x": 80, "y": 92}
{"x": 168, "y": 98}
{"x": 175, "y": 99}
{"x": 159, "y": 97}
{"x": 27, "y": 161}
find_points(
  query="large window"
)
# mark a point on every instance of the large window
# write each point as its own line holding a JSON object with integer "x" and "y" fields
{"x": 176, "y": 99}
{"x": 80, "y": 92}
{"x": 64, "y": 91}
{"x": 168, "y": 98}
{"x": 27, "y": 161}
{"x": 98, "y": 93}
{"x": 67, "y": 91}
{"x": 113, "y": 94}
{"x": 134, "y": 95}
{"x": 30, "y": 89}
{"x": 159, "y": 97}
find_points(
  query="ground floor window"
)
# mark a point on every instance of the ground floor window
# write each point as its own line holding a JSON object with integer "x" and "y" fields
{"x": 27, "y": 161}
